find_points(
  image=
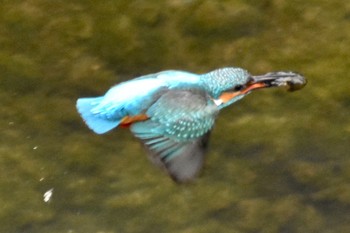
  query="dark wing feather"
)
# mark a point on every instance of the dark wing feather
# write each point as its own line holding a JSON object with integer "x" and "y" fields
{"x": 186, "y": 165}
{"x": 177, "y": 132}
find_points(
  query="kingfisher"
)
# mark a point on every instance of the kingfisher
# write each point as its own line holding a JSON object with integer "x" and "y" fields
{"x": 173, "y": 112}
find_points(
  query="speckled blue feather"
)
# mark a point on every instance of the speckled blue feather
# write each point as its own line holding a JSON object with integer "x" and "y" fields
{"x": 176, "y": 131}
{"x": 223, "y": 79}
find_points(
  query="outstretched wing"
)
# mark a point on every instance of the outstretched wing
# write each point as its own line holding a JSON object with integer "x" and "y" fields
{"x": 177, "y": 132}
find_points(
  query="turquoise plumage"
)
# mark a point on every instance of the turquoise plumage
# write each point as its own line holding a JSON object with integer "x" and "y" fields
{"x": 173, "y": 112}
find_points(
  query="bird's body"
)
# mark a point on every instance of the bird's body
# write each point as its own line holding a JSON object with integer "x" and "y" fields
{"x": 172, "y": 112}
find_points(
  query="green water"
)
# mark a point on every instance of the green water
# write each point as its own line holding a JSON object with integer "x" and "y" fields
{"x": 278, "y": 161}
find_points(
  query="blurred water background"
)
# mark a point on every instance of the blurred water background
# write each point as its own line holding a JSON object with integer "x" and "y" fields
{"x": 278, "y": 162}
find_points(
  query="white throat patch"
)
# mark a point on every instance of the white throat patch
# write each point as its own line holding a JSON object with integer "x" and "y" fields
{"x": 218, "y": 102}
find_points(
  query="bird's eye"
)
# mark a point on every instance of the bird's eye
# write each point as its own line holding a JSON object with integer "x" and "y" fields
{"x": 238, "y": 88}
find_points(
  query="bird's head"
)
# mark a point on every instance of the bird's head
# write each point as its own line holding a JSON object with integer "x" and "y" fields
{"x": 228, "y": 85}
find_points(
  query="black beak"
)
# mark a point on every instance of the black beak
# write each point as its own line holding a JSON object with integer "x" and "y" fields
{"x": 293, "y": 81}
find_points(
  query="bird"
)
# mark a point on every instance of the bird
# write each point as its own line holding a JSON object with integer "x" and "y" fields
{"x": 172, "y": 112}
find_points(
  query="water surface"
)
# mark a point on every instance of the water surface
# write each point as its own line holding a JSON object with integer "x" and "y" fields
{"x": 278, "y": 161}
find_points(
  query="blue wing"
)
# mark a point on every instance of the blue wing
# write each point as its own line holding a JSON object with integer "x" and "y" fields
{"x": 177, "y": 132}
{"x": 104, "y": 113}
{"x": 130, "y": 98}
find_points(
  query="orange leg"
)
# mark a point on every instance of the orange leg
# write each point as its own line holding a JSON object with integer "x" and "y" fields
{"x": 128, "y": 120}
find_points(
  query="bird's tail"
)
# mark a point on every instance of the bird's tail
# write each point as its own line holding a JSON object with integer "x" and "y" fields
{"x": 95, "y": 122}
